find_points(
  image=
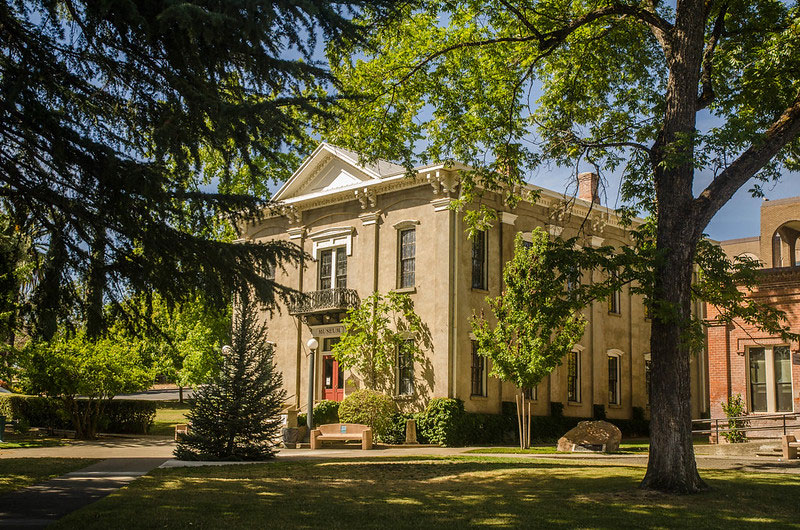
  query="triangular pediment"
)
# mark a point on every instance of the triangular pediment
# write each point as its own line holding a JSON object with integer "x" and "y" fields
{"x": 330, "y": 168}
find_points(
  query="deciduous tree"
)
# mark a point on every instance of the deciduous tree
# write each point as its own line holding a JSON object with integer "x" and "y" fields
{"x": 663, "y": 93}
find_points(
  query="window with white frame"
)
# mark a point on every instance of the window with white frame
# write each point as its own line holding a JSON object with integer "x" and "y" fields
{"x": 531, "y": 393}
{"x": 332, "y": 268}
{"x": 407, "y": 249}
{"x": 478, "y": 371}
{"x": 770, "y": 379}
{"x": 479, "y": 260}
{"x": 614, "y": 397}
{"x": 574, "y": 376}
{"x": 405, "y": 368}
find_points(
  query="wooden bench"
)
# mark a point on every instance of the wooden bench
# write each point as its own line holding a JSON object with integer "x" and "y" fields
{"x": 790, "y": 445}
{"x": 342, "y": 432}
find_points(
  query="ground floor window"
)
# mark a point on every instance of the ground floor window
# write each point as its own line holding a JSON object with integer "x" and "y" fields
{"x": 478, "y": 371}
{"x": 574, "y": 376}
{"x": 613, "y": 379}
{"x": 405, "y": 368}
{"x": 647, "y": 368}
{"x": 770, "y": 379}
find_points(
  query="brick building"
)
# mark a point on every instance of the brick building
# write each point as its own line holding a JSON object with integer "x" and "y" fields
{"x": 764, "y": 369}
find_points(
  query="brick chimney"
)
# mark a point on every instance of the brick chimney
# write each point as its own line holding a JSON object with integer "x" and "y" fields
{"x": 587, "y": 187}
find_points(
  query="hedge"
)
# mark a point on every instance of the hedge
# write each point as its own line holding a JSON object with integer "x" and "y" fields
{"x": 121, "y": 416}
{"x": 445, "y": 422}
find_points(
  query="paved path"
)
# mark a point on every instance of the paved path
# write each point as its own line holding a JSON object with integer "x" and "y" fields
{"x": 39, "y": 505}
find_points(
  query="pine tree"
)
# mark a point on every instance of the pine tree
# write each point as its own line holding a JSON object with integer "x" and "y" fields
{"x": 236, "y": 417}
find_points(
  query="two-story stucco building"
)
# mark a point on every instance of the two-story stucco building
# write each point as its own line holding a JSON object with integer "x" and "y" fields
{"x": 376, "y": 228}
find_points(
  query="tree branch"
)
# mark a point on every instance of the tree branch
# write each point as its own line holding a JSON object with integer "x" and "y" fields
{"x": 707, "y": 94}
{"x": 660, "y": 27}
{"x": 783, "y": 131}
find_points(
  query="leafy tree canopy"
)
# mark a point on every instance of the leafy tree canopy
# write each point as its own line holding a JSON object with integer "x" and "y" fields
{"x": 72, "y": 366}
{"x": 626, "y": 86}
{"x": 537, "y": 321}
{"x": 374, "y": 333}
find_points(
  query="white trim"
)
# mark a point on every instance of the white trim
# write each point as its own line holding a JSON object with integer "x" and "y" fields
{"x": 442, "y": 204}
{"x": 408, "y": 223}
{"x": 332, "y": 238}
{"x": 508, "y": 218}
{"x": 615, "y": 352}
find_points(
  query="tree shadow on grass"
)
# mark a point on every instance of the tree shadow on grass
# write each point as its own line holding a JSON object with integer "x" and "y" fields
{"x": 448, "y": 493}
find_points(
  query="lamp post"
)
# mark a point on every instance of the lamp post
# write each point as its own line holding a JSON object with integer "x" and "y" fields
{"x": 312, "y": 346}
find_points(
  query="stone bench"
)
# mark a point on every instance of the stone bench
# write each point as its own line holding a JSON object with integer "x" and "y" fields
{"x": 790, "y": 445}
{"x": 181, "y": 429}
{"x": 342, "y": 432}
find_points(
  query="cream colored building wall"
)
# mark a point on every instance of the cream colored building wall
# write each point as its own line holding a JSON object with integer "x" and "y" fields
{"x": 445, "y": 300}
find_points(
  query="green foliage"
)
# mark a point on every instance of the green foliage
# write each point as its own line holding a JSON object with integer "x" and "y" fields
{"x": 734, "y": 408}
{"x": 440, "y": 421}
{"x": 96, "y": 370}
{"x": 368, "y": 408}
{"x": 119, "y": 416}
{"x": 236, "y": 416}
{"x": 537, "y": 320}
{"x": 181, "y": 343}
{"x": 374, "y": 331}
{"x": 326, "y": 411}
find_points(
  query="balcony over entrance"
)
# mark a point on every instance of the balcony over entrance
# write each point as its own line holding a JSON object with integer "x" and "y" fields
{"x": 325, "y": 301}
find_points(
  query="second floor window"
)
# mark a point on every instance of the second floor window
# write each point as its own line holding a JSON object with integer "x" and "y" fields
{"x": 479, "y": 260}
{"x": 333, "y": 269}
{"x": 407, "y": 253}
{"x": 614, "y": 299}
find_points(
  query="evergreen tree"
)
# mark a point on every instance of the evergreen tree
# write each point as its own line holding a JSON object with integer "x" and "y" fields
{"x": 114, "y": 115}
{"x": 236, "y": 417}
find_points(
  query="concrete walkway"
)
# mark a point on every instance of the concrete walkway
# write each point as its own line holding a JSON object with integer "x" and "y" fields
{"x": 38, "y": 506}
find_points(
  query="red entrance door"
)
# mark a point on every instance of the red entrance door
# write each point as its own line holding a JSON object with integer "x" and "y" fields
{"x": 332, "y": 373}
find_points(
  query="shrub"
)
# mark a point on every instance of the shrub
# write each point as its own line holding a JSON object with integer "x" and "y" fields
{"x": 120, "y": 416}
{"x": 128, "y": 416}
{"x": 441, "y": 421}
{"x": 326, "y": 411}
{"x": 396, "y": 432}
{"x": 733, "y": 408}
{"x": 598, "y": 411}
{"x": 557, "y": 409}
{"x": 369, "y": 408}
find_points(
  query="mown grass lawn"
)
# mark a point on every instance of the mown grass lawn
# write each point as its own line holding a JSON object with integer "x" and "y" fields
{"x": 24, "y": 441}
{"x": 436, "y": 493}
{"x": 168, "y": 414}
{"x": 16, "y": 473}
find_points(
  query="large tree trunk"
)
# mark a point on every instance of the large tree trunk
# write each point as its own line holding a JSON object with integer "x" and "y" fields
{"x": 671, "y": 466}
{"x": 96, "y": 283}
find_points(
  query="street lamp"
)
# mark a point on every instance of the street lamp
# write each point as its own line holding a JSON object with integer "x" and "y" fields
{"x": 312, "y": 346}
{"x": 226, "y": 350}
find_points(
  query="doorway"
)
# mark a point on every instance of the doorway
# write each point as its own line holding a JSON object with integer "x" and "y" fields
{"x": 332, "y": 373}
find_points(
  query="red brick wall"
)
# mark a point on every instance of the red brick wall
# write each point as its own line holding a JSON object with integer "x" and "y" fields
{"x": 727, "y": 343}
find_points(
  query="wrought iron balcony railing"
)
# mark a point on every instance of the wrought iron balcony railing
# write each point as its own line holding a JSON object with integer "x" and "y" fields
{"x": 325, "y": 300}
